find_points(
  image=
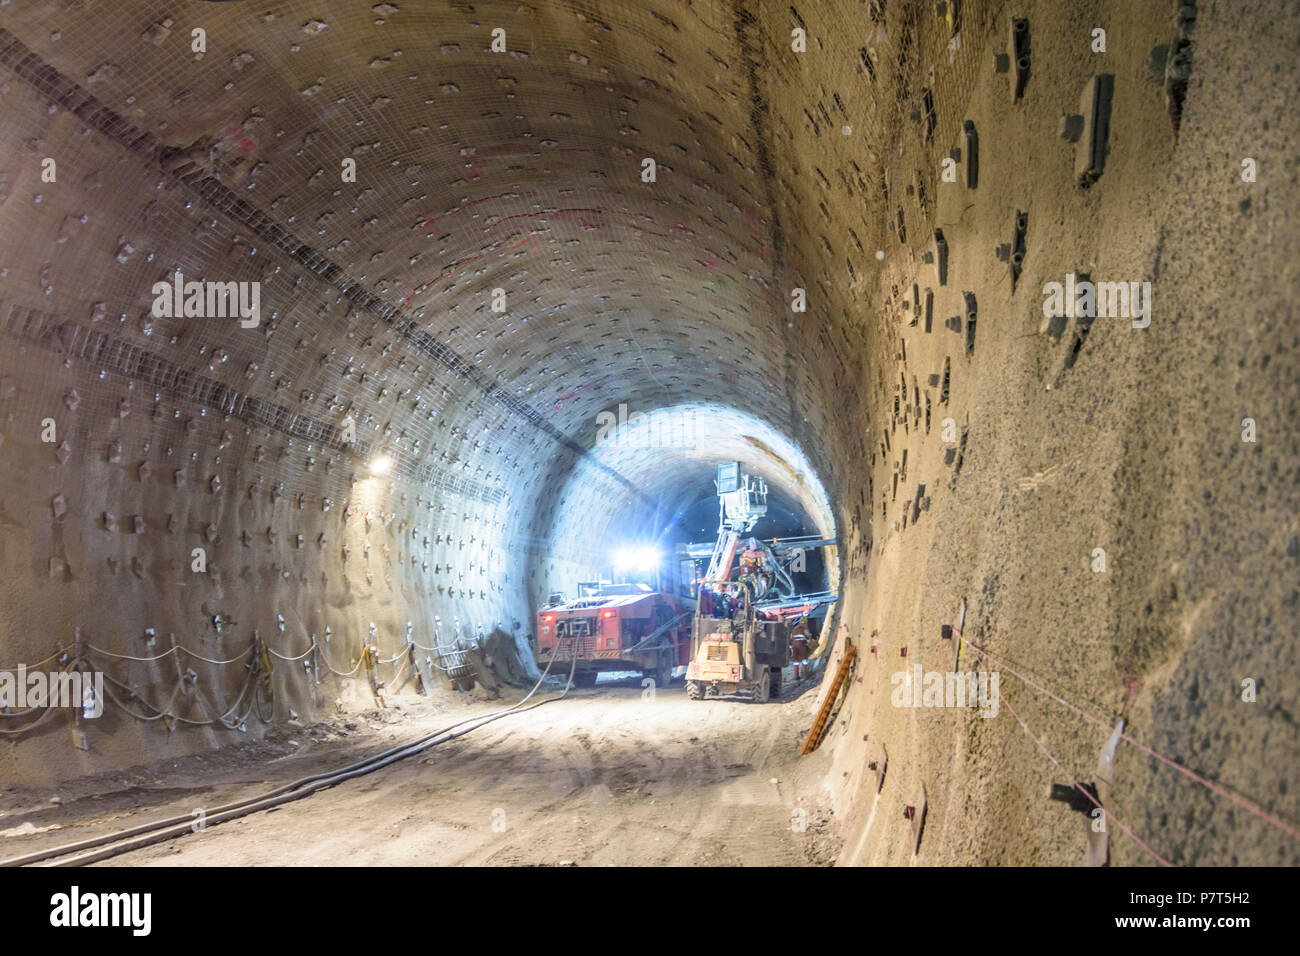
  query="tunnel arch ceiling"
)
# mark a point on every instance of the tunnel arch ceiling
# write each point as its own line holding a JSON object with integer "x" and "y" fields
{"x": 476, "y": 173}
{"x": 433, "y": 238}
{"x": 673, "y": 453}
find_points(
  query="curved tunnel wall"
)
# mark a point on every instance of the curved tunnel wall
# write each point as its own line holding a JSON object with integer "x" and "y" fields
{"x": 476, "y": 172}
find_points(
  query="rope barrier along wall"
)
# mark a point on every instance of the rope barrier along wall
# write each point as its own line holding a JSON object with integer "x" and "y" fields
{"x": 98, "y": 848}
{"x": 85, "y": 655}
{"x": 1215, "y": 788}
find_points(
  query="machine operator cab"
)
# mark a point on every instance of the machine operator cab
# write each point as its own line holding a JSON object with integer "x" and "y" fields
{"x": 743, "y": 497}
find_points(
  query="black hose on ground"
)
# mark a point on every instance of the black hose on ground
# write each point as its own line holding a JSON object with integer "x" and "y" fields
{"x": 149, "y": 833}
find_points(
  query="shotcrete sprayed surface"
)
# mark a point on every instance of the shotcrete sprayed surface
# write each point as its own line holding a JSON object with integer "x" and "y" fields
{"x": 988, "y": 467}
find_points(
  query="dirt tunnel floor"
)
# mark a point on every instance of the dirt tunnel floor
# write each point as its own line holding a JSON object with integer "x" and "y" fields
{"x": 602, "y": 777}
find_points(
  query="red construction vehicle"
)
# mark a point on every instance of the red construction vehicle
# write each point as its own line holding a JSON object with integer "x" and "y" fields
{"x": 621, "y": 627}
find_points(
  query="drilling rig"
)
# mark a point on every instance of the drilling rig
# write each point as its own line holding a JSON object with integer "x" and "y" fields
{"x": 749, "y": 623}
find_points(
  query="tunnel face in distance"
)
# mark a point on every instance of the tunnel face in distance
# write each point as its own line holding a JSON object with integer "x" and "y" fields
{"x": 674, "y": 452}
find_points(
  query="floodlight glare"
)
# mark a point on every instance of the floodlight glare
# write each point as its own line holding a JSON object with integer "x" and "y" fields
{"x": 636, "y": 559}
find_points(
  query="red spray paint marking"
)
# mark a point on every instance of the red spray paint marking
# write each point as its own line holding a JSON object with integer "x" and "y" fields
{"x": 232, "y": 133}
{"x": 1132, "y": 684}
{"x": 246, "y": 143}
{"x": 721, "y": 227}
{"x": 559, "y": 404}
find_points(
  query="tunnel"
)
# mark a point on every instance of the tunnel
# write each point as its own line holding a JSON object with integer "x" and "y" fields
{"x": 342, "y": 342}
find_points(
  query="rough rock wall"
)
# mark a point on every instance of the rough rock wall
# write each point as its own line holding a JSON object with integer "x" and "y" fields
{"x": 1111, "y": 498}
